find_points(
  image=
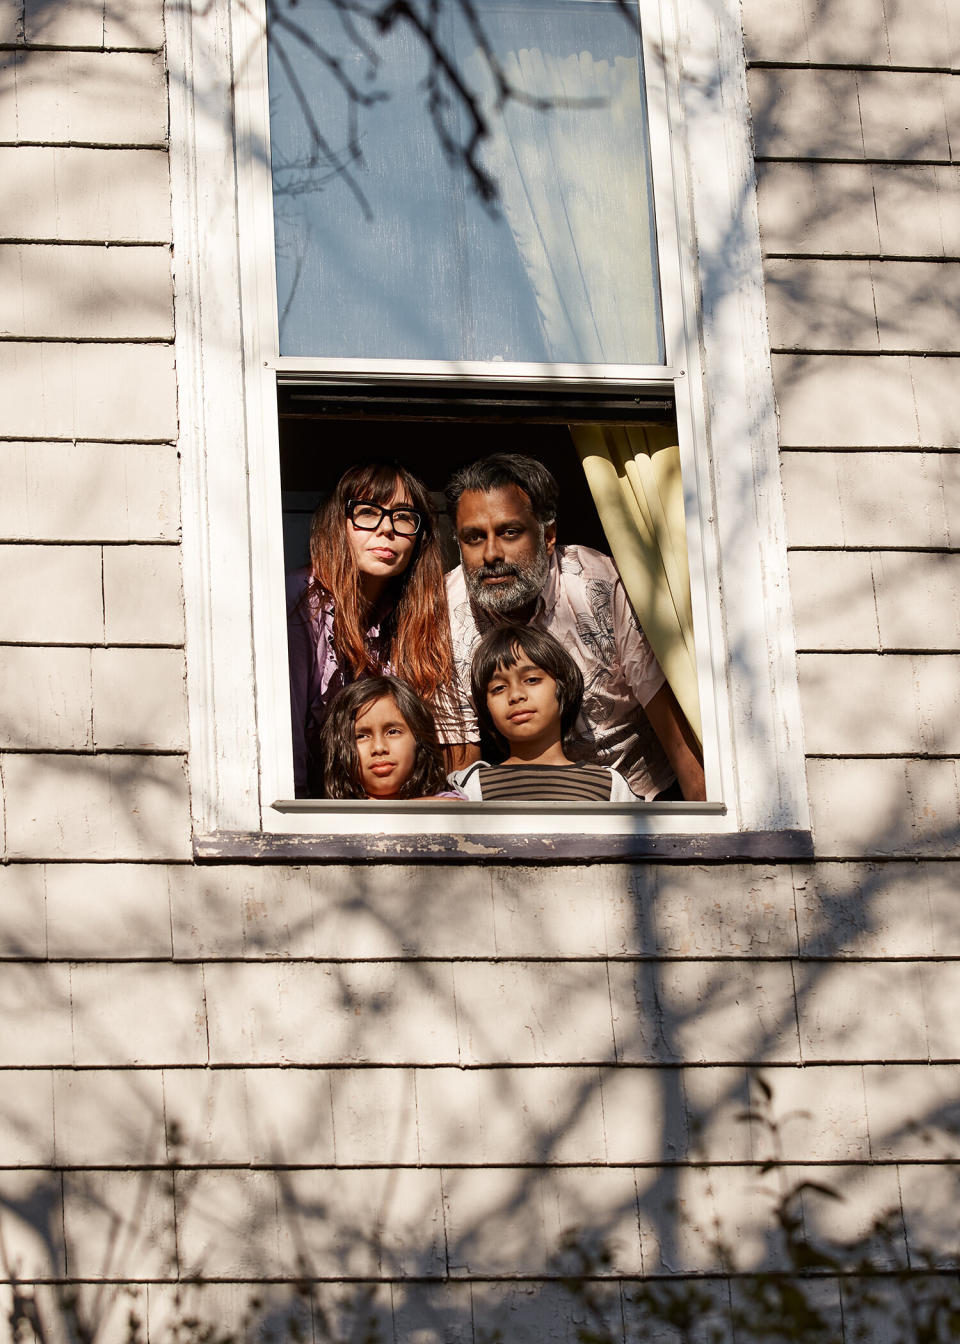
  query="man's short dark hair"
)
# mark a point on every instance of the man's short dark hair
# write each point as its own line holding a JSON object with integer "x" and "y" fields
{"x": 502, "y": 647}
{"x": 500, "y": 469}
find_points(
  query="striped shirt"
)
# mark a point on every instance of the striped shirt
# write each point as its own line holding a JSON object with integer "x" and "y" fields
{"x": 583, "y": 605}
{"x": 579, "y": 783}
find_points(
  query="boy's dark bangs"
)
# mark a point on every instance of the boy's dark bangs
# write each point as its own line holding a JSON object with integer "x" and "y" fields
{"x": 503, "y": 649}
{"x": 507, "y": 652}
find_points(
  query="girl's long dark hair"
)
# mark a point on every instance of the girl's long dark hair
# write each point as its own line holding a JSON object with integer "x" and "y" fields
{"x": 338, "y": 741}
{"x": 420, "y": 647}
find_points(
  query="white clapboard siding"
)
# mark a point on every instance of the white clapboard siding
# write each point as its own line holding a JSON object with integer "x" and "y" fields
{"x": 56, "y": 492}
{"x": 71, "y": 194}
{"x": 407, "y": 1085}
{"x": 68, "y": 292}
{"x": 85, "y": 98}
{"x": 837, "y": 499}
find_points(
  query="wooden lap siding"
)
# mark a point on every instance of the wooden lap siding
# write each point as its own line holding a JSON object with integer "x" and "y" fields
{"x": 407, "y": 1085}
{"x": 856, "y": 112}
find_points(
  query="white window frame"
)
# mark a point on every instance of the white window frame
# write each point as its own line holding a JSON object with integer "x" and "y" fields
{"x": 715, "y": 337}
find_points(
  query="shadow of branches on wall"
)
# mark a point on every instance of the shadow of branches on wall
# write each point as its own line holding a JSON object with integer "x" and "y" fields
{"x": 251, "y": 1103}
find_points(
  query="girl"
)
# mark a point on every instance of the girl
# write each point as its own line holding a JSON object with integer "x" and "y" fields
{"x": 379, "y": 741}
{"x": 528, "y": 692}
{"x": 374, "y": 601}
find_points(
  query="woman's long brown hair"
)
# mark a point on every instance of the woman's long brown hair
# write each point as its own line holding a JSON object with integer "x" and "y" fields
{"x": 420, "y": 648}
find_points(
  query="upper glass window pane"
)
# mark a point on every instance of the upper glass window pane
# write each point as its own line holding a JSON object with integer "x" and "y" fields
{"x": 385, "y": 246}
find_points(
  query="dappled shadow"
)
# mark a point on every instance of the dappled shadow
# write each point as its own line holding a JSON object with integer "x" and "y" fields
{"x": 372, "y": 1103}
{"x": 373, "y": 1155}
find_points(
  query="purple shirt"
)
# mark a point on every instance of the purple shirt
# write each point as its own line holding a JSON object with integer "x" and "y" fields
{"x": 316, "y": 673}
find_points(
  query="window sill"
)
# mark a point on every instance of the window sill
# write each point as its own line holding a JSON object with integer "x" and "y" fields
{"x": 525, "y": 833}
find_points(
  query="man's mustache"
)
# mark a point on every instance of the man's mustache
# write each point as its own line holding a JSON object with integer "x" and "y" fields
{"x": 498, "y": 570}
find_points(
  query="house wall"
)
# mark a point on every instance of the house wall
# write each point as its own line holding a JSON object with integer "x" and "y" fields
{"x": 405, "y": 1085}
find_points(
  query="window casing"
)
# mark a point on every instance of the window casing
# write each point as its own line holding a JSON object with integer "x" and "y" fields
{"x": 715, "y": 368}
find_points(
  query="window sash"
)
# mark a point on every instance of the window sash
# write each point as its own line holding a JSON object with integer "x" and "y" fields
{"x": 253, "y": 100}
{"x": 258, "y": 255}
{"x": 384, "y": 247}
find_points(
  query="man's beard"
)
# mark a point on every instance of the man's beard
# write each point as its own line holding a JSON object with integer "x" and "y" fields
{"x": 504, "y": 598}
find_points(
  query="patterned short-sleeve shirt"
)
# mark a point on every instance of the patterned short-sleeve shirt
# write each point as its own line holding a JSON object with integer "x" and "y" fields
{"x": 583, "y": 605}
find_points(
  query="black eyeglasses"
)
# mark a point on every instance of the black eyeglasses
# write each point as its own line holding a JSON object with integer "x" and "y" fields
{"x": 368, "y": 517}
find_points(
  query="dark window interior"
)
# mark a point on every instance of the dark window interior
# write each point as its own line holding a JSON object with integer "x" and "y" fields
{"x": 432, "y": 432}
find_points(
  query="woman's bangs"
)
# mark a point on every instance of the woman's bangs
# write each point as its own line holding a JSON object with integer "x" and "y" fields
{"x": 379, "y": 483}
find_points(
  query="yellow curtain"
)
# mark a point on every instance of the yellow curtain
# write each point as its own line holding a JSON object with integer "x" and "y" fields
{"x": 634, "y": 477}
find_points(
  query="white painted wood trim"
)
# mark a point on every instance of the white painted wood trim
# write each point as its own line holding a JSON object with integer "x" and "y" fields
{"x": 259, "y": 340}
{"x": 750, "y": 531}
{"x": 470, "y": 371}
{"x": 680, "y": 299}
{"x": 488, "y": 819}
{"x": 213, "y": 421}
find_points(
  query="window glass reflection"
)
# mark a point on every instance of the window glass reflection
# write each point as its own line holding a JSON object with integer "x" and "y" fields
{"x": 385, "y": 247}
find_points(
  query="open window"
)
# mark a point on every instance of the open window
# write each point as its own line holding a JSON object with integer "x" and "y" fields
{"x": 461, "y": 227}
{"x": 613, "y": 455}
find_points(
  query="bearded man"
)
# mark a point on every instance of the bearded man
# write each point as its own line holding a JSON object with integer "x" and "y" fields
{"x": 512, "y": 570}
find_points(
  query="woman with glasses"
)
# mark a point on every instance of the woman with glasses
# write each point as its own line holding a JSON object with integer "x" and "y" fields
{"x": 374, "y": 602}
